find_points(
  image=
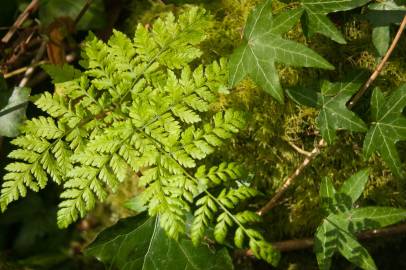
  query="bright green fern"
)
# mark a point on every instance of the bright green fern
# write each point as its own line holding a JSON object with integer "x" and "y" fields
{"x": 140, "y": 106}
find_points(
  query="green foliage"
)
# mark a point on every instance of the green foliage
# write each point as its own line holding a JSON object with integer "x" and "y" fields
{"x": 334, "y": 113}
{"x": 316, "y": 21}
{"x": 337, "y": 231}
{"x": 387, "y": 128}
{"x": 263, "y": 46}
{"x": 61, "y": 74}
{"x": 381, "y": 15}
{"x": 139, "y": 107}
{"x": 144, "y": 245}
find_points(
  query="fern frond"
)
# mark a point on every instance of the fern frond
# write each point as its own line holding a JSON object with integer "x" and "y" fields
{"x": 43, "y": 127}
{"x": 54, "y": 105}
{"x": 216, "y": 174}
{"x": 138, "y": 108}
{"x": 179, "y": 35}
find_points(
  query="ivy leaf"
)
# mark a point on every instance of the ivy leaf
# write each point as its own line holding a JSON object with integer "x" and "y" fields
{"x": 381, "y": 15}
{"x": 373, "y": 217}
{"x": 384, "y": 13}
{"x": 334, "y": 113}
{"x": 387, "y": 128}
{"x": 327, "y": 194}
{"x": 337, "y": 231}
{"x": 354, "y": 186}
{"x": 381, "y": 39}
{"x": 140, "y": 243}
{"x": 326, "y": 240}
{"x": 13, "y": 114}
{"x": 316, "y": 20}
{"x": 352, "y": 250}
{"x": 303, "y": 96}
{"x": 263, "y": 47}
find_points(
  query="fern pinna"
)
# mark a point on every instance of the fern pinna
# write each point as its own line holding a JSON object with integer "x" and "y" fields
{"x": 138, "y": 106}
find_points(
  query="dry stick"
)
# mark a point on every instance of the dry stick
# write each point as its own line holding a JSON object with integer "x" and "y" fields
{"x": 316, "y": 151}
{"x": 31, "y": 69}
{"x": 313, "y": 154}
{"x": 32, "y": 7}
{"x": 379, "y": 68}
{"x": 298, "y": 149}
{"x": 299, "y": 244}
{"x": 21, "y": 70}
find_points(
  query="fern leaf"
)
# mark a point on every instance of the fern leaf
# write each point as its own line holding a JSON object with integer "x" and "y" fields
{"x": 43, "y": 127}
{"x": 221, "y": 229}
{"x": 203, "y": 216}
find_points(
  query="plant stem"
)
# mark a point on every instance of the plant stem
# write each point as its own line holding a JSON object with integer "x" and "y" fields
{"x": 21, "y": 70}
{"x": 274, "y": 200}
{"x": 316, "y": 151}
{"x": 379, "y": 68}
{"x": 304, "y": 243}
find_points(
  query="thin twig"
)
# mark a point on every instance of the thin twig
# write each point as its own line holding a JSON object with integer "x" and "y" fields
{"x": 274, "y": 200}
{"x": 298, "y": 149}
{"x": 32, "y": 7}
{"x": 316, "y": 151}
{"x": 82, "y": 12}
{"x": 30, "y": 70}
{"x": 379, "y": 68}
{"x": 299, "y": 244}
{"x": 21, "y": 70}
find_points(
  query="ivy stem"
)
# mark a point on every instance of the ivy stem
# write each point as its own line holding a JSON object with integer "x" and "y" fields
{"x": 316, "y": 150}
{"x": 304, "y": 243}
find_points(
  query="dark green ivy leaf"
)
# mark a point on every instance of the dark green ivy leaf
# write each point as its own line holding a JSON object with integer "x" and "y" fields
{"x": 303, "y": 96}
{"x": 387, "y": 128}
{"x": 338, "y": 230}
{"x": 381, "y": 15}
{"x": 381, "y": 39}
{"x": 263, "y": 47}
{"x": 140, "y": 243}
{"x": 13, "y": 114}
{"x": 334, "y": 113}
{"x": 316, "y": 20}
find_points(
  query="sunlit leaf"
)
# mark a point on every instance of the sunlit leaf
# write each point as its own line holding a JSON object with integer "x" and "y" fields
{"x": 140, "y": 243}
{"x": 334, "y": 113}
{"x": 263, "y": 46}
{"x": 316, "y": 20}
{"x": 388, "y": 127}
